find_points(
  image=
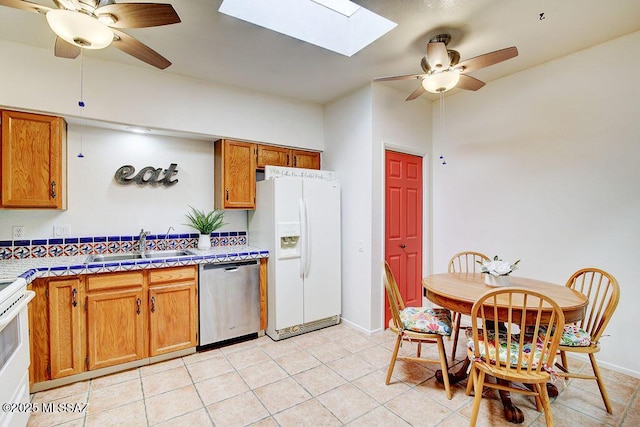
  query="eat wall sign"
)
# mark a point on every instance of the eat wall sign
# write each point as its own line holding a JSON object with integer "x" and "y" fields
{"x": 153, "y": 176}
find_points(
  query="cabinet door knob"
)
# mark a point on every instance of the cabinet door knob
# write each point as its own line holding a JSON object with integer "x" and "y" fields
{"x": 403, "y": 246}
{"x": 227, "y": 193}
{"x": 153, "y": 304}
{"x": 74, "y": 295}
{"x": 53, "y": 189}
{"x": 138, "y": 303}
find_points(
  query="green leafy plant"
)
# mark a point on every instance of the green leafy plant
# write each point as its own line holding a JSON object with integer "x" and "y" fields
{"x": 205, "y": 223}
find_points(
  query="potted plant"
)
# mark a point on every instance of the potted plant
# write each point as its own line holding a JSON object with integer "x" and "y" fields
{"x": 205, "y": 223}
{"x": 497, "y": 271}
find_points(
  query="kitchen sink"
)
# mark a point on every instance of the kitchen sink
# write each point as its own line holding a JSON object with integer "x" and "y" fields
{"x": 166, "y": 254}
{"x": 134, "y": 256}
{"x": 112, "y": 257}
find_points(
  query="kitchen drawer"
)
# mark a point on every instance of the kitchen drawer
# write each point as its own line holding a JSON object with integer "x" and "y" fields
{"x": 106, "y": 281}
{"x": 174, "y": 274}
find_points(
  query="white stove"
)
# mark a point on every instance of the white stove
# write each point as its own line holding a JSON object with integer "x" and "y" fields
{"x": 14, "y": 350}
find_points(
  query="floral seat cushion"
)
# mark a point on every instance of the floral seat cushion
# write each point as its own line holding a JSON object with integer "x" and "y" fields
{"x": 572, "y": 336}
{"x": 575, "y": 336}
{"x": 427, "y": 320}
{"x": 493, "y": 350}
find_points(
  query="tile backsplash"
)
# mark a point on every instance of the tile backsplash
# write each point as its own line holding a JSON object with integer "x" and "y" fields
{"x": 71, "y": 246}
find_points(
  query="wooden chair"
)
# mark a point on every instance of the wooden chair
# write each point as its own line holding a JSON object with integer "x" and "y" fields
{"x": 603, "y": 292}
{"x": 419, "y": 325}
{"x": 500, "y": 349}
{"x": 463, "y": 262}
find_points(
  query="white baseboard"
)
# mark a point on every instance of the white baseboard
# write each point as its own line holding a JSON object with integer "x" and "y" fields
{"x": 606, "y": 365}
{"x": 360, "y": 328}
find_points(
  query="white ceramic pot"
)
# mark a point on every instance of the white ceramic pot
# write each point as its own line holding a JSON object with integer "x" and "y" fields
{"x": 204, "y": 241}
{"x": 491, "y": 280}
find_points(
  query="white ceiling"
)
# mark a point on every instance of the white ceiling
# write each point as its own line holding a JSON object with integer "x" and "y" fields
{"x": 211, "y": 46}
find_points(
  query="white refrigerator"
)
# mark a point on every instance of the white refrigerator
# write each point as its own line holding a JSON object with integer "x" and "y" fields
{"x": 298, "y": 221}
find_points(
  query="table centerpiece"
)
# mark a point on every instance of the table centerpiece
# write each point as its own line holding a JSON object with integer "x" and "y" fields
{"x": 497, "y": 271}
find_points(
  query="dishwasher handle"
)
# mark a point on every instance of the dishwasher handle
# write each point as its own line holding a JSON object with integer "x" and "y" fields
{"x": 228, "y": 266}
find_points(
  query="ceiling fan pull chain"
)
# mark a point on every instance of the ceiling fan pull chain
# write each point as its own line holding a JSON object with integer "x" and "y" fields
{"x": 444, "y": 162}
{"x": 81, "y": 101}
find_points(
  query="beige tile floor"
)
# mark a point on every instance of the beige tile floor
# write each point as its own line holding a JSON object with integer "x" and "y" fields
{"x": 330, "y": 377}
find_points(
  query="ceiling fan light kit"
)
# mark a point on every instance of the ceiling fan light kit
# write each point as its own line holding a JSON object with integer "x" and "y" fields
{"x": 79, "y": 29}
{"x": 97, "y": 24}
{"x": 441, "y": 81}
{"x": 443, "y": 70}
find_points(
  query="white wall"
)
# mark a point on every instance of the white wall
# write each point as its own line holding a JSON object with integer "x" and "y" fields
{"x": 32, "y": 78}
{"x": 358, "y": 127}
{"x": 348, "y": 131}
{"x": 114, "y": 93}
{"x": 542, "y": 166}
{"x": 97, "y": 205}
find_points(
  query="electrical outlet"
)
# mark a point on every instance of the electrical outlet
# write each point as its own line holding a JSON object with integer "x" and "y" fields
{"x": 61, "y": 230}
{"x": 18, "y": 232}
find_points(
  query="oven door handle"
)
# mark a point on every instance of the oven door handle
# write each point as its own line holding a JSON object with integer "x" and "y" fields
{"x": 10, "y": 315}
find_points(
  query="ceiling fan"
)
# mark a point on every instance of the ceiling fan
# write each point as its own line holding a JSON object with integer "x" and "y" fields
{"x": 96, "y": 24}
{"x": 444, "y": 71}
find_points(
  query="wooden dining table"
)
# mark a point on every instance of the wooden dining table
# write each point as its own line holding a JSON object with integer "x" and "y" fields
{"x": 459, "y": 291}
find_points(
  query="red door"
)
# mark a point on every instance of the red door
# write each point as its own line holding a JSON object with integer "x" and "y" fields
{"x": 403, "y": 225}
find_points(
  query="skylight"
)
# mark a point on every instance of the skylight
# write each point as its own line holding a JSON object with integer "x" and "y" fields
{"x": 337, "y": 25}
{"x": 345, "y": 7}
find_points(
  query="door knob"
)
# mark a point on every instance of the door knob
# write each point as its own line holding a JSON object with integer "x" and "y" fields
{"x": 403, "y": 246}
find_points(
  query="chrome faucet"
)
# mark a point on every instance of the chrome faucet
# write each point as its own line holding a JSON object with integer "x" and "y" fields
{"x": 166, "y": 237}
{"x": 142, "y": 240}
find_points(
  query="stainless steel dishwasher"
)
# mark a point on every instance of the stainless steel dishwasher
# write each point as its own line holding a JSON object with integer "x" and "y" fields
{"x": 229, "y": 301}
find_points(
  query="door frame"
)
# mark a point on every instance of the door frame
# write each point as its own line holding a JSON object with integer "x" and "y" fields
{"x": 427, "y": 221}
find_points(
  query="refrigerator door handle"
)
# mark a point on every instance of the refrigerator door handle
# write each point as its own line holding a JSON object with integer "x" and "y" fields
{"x": 307, "y": 239}
{"x": 303, "y": 235}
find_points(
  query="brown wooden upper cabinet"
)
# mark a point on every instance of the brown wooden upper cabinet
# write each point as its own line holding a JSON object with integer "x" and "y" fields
{"x": 235, "y": 167}
{"x": 280, "y": 156}
{"x": 305, "y": 159}
{"x": 235, "y": 174}
{"x": 273, "y": 156}
{"x": 33, "y": 161}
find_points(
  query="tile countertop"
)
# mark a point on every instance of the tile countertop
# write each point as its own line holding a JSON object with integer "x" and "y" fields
{"x": 33, "y": 268}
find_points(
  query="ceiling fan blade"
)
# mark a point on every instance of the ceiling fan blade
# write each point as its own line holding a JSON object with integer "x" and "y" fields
{"x": 487, "y": 59}
{"x": 139, "y": 15}
{"x": 137, "y": 49}
{"x": 469, "y": 83}
{"x": 68, "y": 4}
{"x": 407, "y": 77}
{"x": 437, "y": 56}
{"x": 65, "y": 49}
{"x": 416, "y": 93}
{"x": 24, "y": 5}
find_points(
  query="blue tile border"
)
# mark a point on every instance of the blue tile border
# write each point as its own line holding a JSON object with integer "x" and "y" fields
{"x": 90, "y": 245}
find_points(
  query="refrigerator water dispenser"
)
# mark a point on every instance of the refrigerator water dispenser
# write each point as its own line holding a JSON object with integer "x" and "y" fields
{"x": 289, "y": 234}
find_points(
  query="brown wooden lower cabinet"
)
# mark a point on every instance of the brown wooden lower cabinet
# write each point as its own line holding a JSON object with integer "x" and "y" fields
{"x": 66, "y": 340}
{"x": 173, "y": 310}
{"x": 39, "y": 332}
{"x": 115, "y": 327}
{"x": 80, "y": 323}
